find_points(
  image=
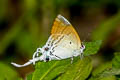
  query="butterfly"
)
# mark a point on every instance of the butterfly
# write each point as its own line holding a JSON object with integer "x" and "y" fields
{"x": 63, "y": 43}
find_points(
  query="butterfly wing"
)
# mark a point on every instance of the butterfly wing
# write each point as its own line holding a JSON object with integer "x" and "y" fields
{"x": 64, "y": 37}
{"x": 64, "y": 47}
{"x": 62, "y": 26}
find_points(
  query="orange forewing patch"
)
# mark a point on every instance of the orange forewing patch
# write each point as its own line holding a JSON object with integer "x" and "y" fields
{"x": 60, "y": 27}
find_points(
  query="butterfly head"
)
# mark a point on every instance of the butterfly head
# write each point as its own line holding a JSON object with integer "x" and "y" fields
{"x": 82, "y": 47}
{"x": 45, "y": 54}
{"x": 45, "y": 57}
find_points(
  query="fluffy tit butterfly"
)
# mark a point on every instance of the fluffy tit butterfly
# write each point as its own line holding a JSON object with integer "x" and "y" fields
{"x": 63, "y": 43}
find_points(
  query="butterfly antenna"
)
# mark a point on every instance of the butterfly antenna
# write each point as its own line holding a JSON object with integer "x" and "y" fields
{"x": 18, "y": 65}
{"x": 27, "y": 63}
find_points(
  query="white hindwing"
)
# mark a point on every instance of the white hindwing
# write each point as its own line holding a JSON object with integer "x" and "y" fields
{"x": 64, "y": 47}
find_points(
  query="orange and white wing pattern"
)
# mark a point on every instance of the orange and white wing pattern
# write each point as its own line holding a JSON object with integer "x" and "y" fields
{"x": 63, "y": 43}
{"x": 62, "y": 26}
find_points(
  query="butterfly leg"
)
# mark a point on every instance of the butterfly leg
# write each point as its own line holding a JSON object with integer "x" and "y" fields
{"x": 44, "y": 59}
{"x": 81, "y": 51}
{"x": 71, "y": 60}
{"x": 81, "y": 55}
{"x": 39, "y": 50}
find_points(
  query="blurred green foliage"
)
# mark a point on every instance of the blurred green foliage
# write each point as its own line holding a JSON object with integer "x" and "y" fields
{"x": 105, "y": 29}
{"x": 92, "y": 47}
{"x": 116, "y": 60}
{"x": 107, "y": 70}
{"x": 7, "y": 73}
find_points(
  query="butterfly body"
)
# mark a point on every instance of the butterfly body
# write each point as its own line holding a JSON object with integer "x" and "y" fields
{"x": 63, "y": 43}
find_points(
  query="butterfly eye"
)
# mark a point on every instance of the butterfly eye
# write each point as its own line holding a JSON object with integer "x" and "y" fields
{"x": 46, "y": 49}
{"x": 70, "y": 42}
{"x": 82, "y": 46}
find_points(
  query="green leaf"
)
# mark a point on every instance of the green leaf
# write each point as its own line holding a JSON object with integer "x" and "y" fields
{"x": 29, "y": 77}
{"x": 80, "y": 70}
{"x": 116, "y": 60}
{"x": 92, "y": 47}
{"x": 107, "y": 70}
{"x": 64, "y": 70}
{"x": 49, "y": 70}
{"x": 54, "y": 69}
{"x": 102, "y": 71}
{"x": 107, "y": 78}
{"x": 7, "y": 73}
